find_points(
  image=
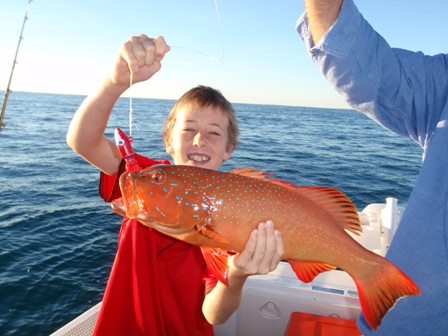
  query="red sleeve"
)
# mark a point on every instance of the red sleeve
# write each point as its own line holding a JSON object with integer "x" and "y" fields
{"x": 109, "y": 187}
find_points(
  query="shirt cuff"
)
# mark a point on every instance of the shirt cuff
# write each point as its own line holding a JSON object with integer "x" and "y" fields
{"x": 339, "y": 39}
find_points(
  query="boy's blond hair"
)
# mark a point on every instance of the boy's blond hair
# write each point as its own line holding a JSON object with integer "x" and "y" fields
{"x": 201, "y": 97}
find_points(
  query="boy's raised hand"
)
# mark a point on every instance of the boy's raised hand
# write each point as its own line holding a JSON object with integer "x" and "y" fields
{"x": 140, "y": 55}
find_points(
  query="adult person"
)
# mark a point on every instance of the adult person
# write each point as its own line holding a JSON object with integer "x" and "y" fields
{"x": 159, "y": 285}
{"x": 406, "y": 92}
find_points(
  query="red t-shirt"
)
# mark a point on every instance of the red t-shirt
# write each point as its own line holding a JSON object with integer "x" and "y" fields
{"x": 157, "y": 284}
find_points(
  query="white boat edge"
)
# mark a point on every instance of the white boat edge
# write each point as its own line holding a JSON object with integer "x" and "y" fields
{"x": 82, "y": 325}
{"x": 269, "y": 300}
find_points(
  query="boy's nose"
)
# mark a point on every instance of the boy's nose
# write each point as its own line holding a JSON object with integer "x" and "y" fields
{"x": 200, "y": 140}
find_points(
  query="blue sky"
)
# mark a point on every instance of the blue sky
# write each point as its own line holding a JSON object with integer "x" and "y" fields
{"x": 69, "y": 45}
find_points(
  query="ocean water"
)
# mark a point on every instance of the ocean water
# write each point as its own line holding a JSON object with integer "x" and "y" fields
{"x": 58, "y": 238}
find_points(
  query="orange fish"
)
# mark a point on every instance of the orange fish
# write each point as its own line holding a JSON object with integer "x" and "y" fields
{"x": 217, "y": 211}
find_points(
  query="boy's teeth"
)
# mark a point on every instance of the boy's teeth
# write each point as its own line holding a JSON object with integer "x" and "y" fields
{"x": 198, "y": 158}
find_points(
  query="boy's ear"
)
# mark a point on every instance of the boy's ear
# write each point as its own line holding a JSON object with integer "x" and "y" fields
{"x": 228, "y": 153}
{"x": 169, "y": 149}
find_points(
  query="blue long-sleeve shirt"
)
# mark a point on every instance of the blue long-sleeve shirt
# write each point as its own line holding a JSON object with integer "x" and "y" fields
{"x": 406, "y": 92}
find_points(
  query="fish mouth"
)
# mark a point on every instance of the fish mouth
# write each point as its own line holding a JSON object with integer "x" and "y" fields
{"x": 199, "y": 158}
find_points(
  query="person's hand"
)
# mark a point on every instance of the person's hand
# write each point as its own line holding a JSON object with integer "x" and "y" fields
{"x": 264, "y": 250}
{"x": 140, "y": 55}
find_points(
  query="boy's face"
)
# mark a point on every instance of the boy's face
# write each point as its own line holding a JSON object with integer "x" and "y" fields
{"x": 199, "y": 138}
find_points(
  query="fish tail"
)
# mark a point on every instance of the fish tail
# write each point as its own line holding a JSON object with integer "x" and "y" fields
{"x": 379, "y": 292}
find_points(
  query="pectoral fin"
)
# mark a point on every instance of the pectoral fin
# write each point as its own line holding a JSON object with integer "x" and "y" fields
{"x": 307, "y": 271}
{"x": 217, "y": 261}
{"x": 207, "y": 230}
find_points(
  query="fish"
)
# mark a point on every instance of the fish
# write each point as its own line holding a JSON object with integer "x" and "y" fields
{"x": 218, "y": 210}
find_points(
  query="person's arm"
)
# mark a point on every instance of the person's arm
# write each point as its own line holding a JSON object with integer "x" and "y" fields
{"x": 321, "y": 15}
{"x": 262, "y": 253}
{"x": 140, "y": 55}
{"x": 402, "y": 90}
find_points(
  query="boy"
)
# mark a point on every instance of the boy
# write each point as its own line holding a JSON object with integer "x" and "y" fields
{"x": 159, "y": 285}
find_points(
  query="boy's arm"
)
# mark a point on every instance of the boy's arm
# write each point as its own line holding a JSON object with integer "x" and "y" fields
{"x": 262, "y": 253}
{"x": 140, "y": 55}
{"x": 321, "y": 14}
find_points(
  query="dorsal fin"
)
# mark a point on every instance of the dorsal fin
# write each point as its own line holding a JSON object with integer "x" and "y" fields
{"x": 337, "y": 204}
{"x": 251, "y": 172}
{"x": 262, "y": 175}
{"x": 334, "y": 201}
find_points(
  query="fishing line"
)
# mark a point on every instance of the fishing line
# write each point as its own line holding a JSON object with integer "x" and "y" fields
{"x": 212, "y": 58}
{"x": 131, "y": 117}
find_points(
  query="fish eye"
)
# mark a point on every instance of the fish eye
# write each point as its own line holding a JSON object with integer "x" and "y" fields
{"x": 158, "y": 177}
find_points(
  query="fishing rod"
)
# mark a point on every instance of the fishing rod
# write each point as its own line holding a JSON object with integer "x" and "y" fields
{"x": 8, "y": 91}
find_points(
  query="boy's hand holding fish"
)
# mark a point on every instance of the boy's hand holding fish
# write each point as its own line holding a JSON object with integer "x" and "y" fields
{"x": 262, "y": 253}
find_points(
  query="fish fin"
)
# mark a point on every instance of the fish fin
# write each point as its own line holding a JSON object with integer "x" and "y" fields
{"x": 381, "y": 289}
{"x": 131, "y": 195}
{"x": 336, "y": 203}
{"x": 262, "y": 175}
{"x": 217, "y": 261}
{"x": 207, "y": 230}
{"x": 306, "y": 271}
{"x": 250, "y": 172}
{"x": 118, "y": 206}
{"x": 332, "y": 200}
